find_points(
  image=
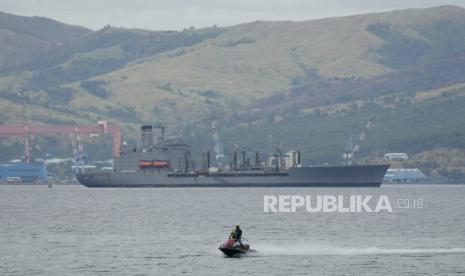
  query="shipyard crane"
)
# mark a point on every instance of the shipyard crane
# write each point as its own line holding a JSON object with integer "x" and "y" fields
{"x": 217, "y": 146}
{"x": 352, "y": 149}
{"x": 26, "y": 131}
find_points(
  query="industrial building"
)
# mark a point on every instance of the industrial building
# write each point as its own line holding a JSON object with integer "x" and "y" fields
{"x": 28, "y": 171}
{"x": 23, "y": 172}
{"x": 405, "y": 176}
{"x": 396, "y": 156}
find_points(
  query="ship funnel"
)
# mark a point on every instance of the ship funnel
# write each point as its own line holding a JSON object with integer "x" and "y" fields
{"x": 146, "y": 137}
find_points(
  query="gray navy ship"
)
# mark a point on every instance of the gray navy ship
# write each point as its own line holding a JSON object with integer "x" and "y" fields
{"x": 168, "y": 163}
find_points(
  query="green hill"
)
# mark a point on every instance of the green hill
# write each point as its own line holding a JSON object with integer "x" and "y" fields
{"x": 255, "y": 60}
{"x": 41, "y": 28}
{"x": 24, "y": 39}
{"x": 310, "y": 84}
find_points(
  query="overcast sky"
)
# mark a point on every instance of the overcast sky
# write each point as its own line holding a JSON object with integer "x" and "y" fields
{"x": 178, "y": 14}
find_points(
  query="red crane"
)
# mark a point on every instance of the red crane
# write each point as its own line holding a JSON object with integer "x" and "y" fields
{"x": 26, "y": 130}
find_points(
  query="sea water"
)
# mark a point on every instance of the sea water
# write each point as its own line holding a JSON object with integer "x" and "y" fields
{"x": 73, "y": 230}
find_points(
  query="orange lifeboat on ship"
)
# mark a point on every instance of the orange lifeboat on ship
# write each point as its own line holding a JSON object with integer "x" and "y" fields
{"x": 154, "y": 164}
{"x": 161, "y": 163}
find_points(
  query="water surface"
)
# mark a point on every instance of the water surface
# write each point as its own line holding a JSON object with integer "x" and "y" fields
{"x": 73, "y": 230}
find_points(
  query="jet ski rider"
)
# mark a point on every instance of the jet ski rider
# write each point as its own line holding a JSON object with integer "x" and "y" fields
{"x": 236, "y": 234}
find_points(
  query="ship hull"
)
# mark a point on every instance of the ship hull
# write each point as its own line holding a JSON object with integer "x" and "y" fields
{"x": 323, "y": 176}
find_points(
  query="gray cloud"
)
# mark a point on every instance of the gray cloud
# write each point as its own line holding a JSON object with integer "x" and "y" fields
{"x": 178, "y": 14}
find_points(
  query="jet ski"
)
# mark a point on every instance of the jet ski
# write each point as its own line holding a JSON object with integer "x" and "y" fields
{"x": 232, "y": 249}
